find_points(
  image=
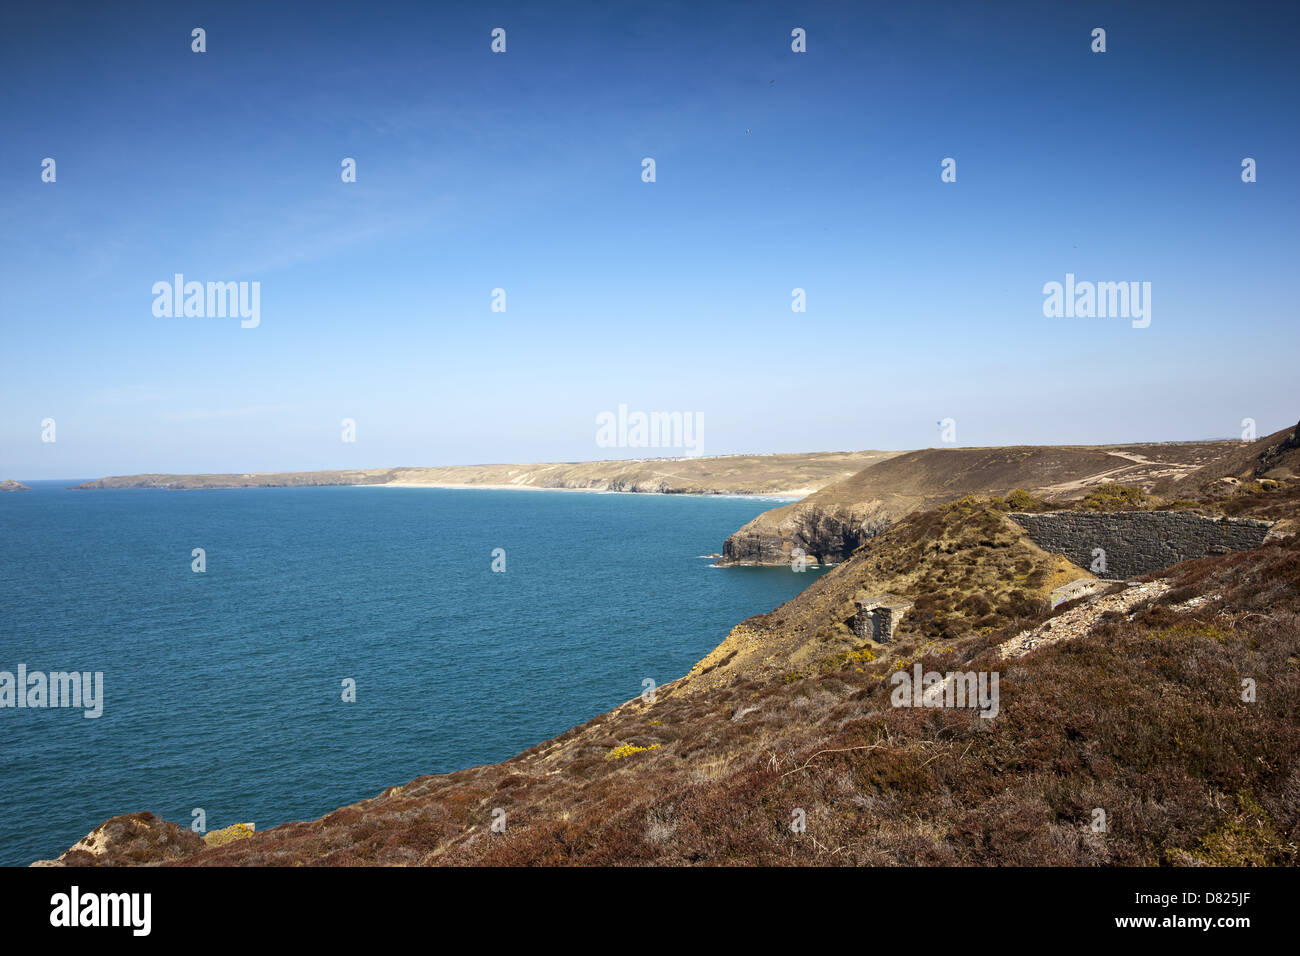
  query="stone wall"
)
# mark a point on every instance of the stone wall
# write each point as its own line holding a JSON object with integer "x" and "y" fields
{"x": 1138, "y": 542}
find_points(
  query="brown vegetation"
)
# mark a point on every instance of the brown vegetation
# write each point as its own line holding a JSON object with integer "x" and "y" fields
{"x": 1177, "y": 718}
{"x": 1142, "y": 718}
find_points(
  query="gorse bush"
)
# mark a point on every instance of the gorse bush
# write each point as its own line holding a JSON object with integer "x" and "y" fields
{"x": 627, "y": 750}
{"x": 1021, "y": 500}
{"x": 1114, "y": 497}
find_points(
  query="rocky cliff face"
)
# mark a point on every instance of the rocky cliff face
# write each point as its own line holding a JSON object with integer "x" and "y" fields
{"x": 826, "y": 536}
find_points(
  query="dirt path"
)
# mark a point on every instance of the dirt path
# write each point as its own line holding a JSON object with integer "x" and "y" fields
{"x": 1078, "y": 621}
{"x": 1136, "y": 463}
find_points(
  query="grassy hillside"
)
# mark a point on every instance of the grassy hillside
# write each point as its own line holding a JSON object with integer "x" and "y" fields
{"x": 1271, "y": 458}
{"x": 964, "y": 565}
{"x": 731, "y": 474}
{"x": 832, "y": 522}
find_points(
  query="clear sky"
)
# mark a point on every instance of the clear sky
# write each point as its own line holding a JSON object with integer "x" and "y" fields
{"x": 522, "y": 170}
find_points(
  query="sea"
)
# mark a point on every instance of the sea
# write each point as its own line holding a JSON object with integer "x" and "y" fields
{"x": 272, "y": 654}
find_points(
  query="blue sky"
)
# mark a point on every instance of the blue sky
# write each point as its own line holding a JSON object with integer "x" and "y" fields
{"x": 522, "y": 171}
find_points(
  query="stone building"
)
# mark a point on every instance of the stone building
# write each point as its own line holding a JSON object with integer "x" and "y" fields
{"x": 878, "y": 617}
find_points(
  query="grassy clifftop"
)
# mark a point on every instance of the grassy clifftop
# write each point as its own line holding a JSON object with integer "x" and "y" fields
{"x": 793, "y": 474}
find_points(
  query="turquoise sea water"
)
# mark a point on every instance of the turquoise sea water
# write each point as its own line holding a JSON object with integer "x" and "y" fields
{"x": 222, "y": 690}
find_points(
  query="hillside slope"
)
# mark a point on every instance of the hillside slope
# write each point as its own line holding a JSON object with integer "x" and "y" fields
{"x": 830, "y": 523}
{"x": 1273, "y": 457}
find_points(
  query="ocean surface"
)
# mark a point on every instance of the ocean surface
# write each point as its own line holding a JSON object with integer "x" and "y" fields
{"x": 223, "y": 690}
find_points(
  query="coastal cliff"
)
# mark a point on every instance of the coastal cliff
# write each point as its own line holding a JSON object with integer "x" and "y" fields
{"x": 825, "y": 534}
{"x": 1120, "y": 690}
{"x": 793, "y": 475}
{"x": 835, "y": 520}
{"x": 1106, "y": 690}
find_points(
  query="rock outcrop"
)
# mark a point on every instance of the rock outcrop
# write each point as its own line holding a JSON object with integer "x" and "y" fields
{"x": 824, "y": 535}
{"x": 129, "y": 840}
{"x": 13, "y": 486}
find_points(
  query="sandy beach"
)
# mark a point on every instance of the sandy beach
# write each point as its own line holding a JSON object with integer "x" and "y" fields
{"x": 792, "y": 495}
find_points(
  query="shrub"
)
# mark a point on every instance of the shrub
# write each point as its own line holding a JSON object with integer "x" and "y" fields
{"x": 1021, "y": 500}
{"x": 627, "y": 750}
{"x": 1115, "y": 497}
